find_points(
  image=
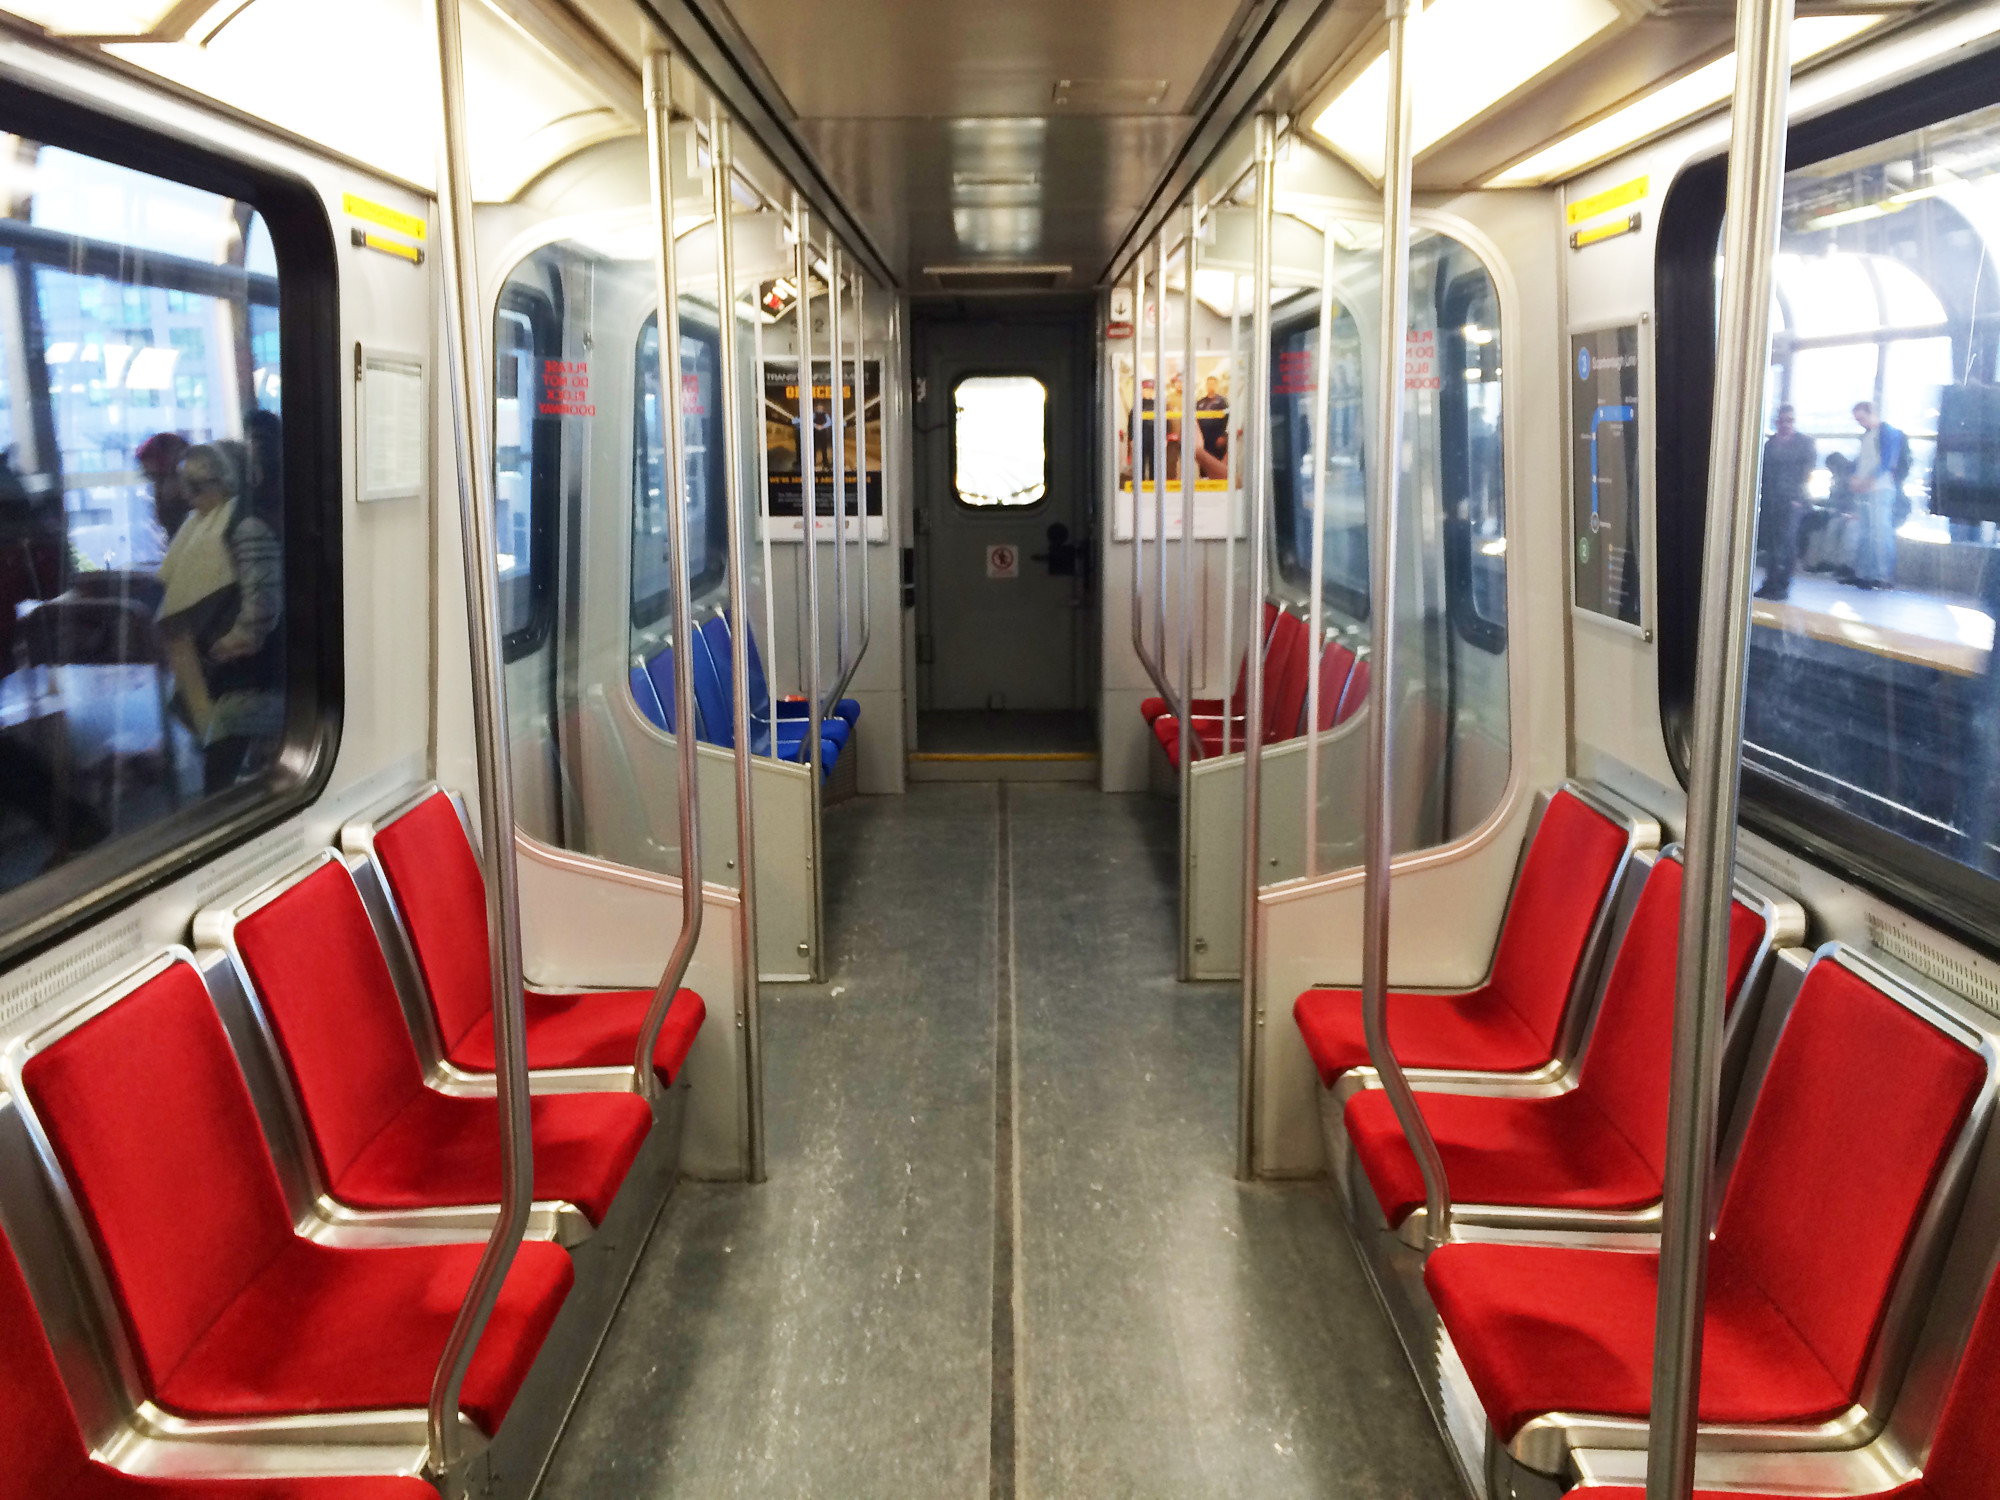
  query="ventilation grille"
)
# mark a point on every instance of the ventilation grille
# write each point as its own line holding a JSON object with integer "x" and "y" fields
{"x": 1962, "y": 978}
{"x": 998, "y": 278}
{"x": 40, "y": 982}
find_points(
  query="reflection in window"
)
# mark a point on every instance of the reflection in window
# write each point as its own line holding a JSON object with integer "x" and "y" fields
{"x": 1294, "y": 390}
{"x": 532, "y": 391}
{"x": 701, "y": 424}
{"x": 999, "y": 440}
{"x": 1872, "y": 665}
{"x": 142, "y": 583}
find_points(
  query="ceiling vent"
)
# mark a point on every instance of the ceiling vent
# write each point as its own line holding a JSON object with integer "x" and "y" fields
{"x": 998, "y": 278}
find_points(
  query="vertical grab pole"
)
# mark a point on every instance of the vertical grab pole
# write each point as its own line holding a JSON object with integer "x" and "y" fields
{"x": 836, "y": 284}
{"x": 860, "y": 480}
{"x": 1138, "y": 466}
{"x": 1188, "y": 477}
{"x": 722, "y": 166}
{"x": 1259, "y": 438}
{"x": 474, "y": 462}
{"x": 657, "y": 84}
{"x": 1756, "y": 193}
{"x": 1238, "y": 379}
{"x": 1316, "y": 609}
{"x": 1160, "y": 472}
{"x": 1386, "y": 505}
{"x": 764, "y": 536}
{"x": 809, "y": 492}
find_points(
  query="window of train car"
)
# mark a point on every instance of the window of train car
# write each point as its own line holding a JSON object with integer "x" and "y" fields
{"x": 1294, "y": 391}
{"x": 527, "y": 461}
{"x": 169, "y": 555}
{"x": 1471, "y": 459}
{"x": 999, "y": 440}
{"x": 701, "y": 418}
{"x": 1872, "y": 710}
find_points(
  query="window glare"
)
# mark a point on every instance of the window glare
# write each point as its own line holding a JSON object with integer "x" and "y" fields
{"x": 1000, "y": 440}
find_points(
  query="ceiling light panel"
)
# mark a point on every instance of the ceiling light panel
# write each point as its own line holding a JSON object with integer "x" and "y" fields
{"x": 1465, "y": 57}
{"x": 1686, "y": 96}
{"x": 93, "y": 17}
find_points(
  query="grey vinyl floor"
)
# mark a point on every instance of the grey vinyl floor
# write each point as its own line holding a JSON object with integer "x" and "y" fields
{"x": 833, "y": 1332}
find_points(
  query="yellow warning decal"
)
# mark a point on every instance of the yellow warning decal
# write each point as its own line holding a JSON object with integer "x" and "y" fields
{"x": 1600, "y": 233}
{"x": 381, "y": 213}
{"x": 397, "y": 248}
{"x": 1610, "y": 198}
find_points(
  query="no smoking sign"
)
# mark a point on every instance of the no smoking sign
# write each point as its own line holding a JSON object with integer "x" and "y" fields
{"x": 1003, "y": 560}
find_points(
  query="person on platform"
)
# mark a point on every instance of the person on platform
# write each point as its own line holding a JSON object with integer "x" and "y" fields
{"x": 1880, "y": 467}
{"x": 1789, "y": 460}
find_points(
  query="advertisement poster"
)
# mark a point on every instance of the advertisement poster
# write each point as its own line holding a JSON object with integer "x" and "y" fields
{"x": 1604, "y": 472}
{"x": 781, "y": 441}
{"x": 1205, "y": 443}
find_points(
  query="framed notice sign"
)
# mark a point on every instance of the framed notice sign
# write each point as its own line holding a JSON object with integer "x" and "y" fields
{"x": 1606, "y": 528}
{"x": 781, "y": 444}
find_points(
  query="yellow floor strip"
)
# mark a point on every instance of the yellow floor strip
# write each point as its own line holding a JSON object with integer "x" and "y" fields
{"x": 1038, "y": 755}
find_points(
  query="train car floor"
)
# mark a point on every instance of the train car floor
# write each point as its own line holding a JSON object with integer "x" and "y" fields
{"x": 1001, "y": 1251}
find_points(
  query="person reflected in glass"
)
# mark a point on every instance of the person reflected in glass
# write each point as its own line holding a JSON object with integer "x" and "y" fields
{"x": 223, "y": 582}
{"x": 1880, "y": 466}
{"x": 1789, "y": 460}
{"x": 159, "y": 459}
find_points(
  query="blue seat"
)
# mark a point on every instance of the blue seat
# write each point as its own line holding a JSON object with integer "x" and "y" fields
{"x": 657, "y": 697}
{"x": 847, "y": 711}
{"x": 715, "y": 681}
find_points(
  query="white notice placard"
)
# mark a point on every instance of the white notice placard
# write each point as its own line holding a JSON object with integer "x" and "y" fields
{"x": 394, "y": 426}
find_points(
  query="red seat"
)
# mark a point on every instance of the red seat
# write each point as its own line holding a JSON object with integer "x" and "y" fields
{"x": 1154, "y": 710}
{"x": 1337, "y": 665}
{"x": 383, "y": 1140}
{"x": 1861, "y": 1105}
{"x": 1599, "y": 1147}
{"x": 228, "y": 1312}
{"x": 1354, "y": 695}
{"x": 1510, "y": 1023}
{"x": 1287, "y": 672}
{"x": 1964, "y": 1461}
{"x": 436, "y": 880}
{"x": 46, "y": 1458}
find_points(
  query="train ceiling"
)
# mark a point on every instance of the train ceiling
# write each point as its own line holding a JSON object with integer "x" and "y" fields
{"x": 1015, "y": 133}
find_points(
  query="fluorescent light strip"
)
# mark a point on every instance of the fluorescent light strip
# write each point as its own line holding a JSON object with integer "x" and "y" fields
{"x": 1705, "y": 87}
{"x": 1466, "y": 55}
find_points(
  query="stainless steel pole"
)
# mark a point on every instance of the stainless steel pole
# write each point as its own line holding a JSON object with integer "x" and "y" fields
{"x": 1189, "y": 475}
{"x": 1139, "y": 467}
{"x": 749, "y": 1017}
{"x": 1316, "y": 608}
{"x": 1259, "y": 442}
{"x": 1239, "y": 378}
{"x": 473, "y": 452}
{"x": 764, "y": 533}
{"x": 1751, "y": 216}
{"x": 836, "y": 286}
{"x": 657, "y": 84}
{"x": 860, "y": 414}
{"x": 1384, "y": 525}
{"x": 1160, "y": 471}
{"x": 809, "y": 500}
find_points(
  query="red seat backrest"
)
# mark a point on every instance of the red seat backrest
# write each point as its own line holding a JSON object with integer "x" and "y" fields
{"x": 1336, "y": 665}
{"x": 1564, "y": 880}
{"x": 1242, "y": 694}
{"x": 1861, "y": 1105}
{"x": 1355, "y": 695}
{"x": 153, "y": 1127}
{"x": 1623, "y": 1071}
{"x": 38, "y": 1433}
{"x": 313, "y": 956}
{"x": 1287, "y": 666}
{"x": 435, "y": 878}
{"x": 1965, "y": 1458}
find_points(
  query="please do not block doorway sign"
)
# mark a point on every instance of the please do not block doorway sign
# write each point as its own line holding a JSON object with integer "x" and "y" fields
{"x": 1003, "y": 560}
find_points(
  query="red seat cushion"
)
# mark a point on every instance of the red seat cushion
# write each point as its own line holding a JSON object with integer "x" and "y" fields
{"x": 1336, "y": 665}
{"x": 1602, "y": 1145}
{"x": 227, "y": 1311}
{"x": 1508, "y": 1024}
{"x": 45, "y": 1454}
{"x": 326, "y": 1329}
{"x": 1287, "y": 670}
{"x": 1859, "y": 1109}
{"x": 382, "y": 1138}
{"x": 597, "y": 1029}
{"x": 436, "y": 880}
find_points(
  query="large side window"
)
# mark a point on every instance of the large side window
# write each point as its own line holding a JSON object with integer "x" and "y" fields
{"x": 527, "y": 462}
{"x": 169, "y": 554}
{"x": 1472, "y": 463}
{"x": 1294, "y": 392}
{"x": 701, "y": 418}
{"x": 1872, "y": 724}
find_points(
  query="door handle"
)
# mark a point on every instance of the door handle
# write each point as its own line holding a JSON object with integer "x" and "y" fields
{"x": 1062, "y": 553}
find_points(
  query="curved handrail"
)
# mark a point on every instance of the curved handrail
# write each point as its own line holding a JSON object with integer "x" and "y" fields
{"x": 808, "y": 502}
{"x": 1188, "y": 477}
{"x": 658, "y": 89}
{"x": 860, "y": 484}
{"x": 722, "y": 167}
{"x": 837, "y": 393}
{"x": 1379, "y": 847}
{"x": 466, "y": 356}
{"x": 1755, "y": 196}
{"x": 1153, "y": 670}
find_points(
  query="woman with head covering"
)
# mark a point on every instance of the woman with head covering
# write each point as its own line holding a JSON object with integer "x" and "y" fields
{"x": 223, "y": 600}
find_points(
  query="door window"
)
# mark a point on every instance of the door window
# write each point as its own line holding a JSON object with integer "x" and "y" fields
{"x": 1000, "y": 451}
